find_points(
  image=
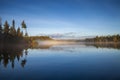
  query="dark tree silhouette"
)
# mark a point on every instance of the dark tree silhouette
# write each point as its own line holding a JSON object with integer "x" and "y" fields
{"x": 12, "y": 29}
{"x": 23, "y": 24}
{"x": 0, "y": 30}
{"x": 18, "y": 32}
{"x": 0, "y": 26}
{"x": 13, "y": 23}
{"x": 6, "y": 27}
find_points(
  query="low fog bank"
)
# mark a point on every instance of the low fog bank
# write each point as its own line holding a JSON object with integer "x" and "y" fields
{"x": 61, "y": 42}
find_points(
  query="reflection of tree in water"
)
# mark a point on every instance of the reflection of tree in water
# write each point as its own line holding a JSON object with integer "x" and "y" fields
{"x": 9, "y": 53}
{"x": 105, "y": 45}
{"x": 23, "y": 62}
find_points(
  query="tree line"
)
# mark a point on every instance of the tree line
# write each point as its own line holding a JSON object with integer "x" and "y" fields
{"x": 40, "y": 38}
{"x": 109, "y": 38}
{"x": 10, "y": 34}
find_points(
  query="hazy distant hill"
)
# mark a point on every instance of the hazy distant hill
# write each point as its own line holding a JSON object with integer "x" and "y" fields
{"x": 66, "y": 36}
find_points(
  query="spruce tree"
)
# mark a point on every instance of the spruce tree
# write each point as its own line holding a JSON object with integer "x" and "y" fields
{"x": 0, "y": 26}
{"x": 12, "y": 29}
{"x": 18, "y": 32}
{"x": 25, "y": 27}
{"x": 6, "y": 27}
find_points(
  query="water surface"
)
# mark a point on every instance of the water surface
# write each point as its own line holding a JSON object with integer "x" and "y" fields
{"x": 61, "y": 62}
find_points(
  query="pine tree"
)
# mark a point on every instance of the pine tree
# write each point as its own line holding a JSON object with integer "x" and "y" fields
{"x": 6, "y": 27}
{"x": 18, "y": 32}
{"x": 13, "y": 23}
{"x": 25, "y": 27}
{"x": 12, "y": 29}
{"x": 0, "y": 26}
{"x": 21, "y": 34}
{"x": 0, "y": 29}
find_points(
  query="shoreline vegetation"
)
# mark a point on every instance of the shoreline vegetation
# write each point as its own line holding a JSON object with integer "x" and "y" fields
{"x": 9, "y": 35}
{"x": 105, "y": 39}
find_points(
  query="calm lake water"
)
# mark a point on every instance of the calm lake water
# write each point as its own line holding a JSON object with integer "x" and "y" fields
{"x": 61, "y": 62}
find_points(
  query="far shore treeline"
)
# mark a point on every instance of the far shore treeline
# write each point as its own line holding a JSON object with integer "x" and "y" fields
{"x": 109, "y": 38}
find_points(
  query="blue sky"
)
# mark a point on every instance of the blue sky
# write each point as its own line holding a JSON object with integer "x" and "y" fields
{"x": 81, "y": 17}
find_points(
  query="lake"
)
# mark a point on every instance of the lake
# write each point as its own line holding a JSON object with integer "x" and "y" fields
{"x": 61, "y": 62}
